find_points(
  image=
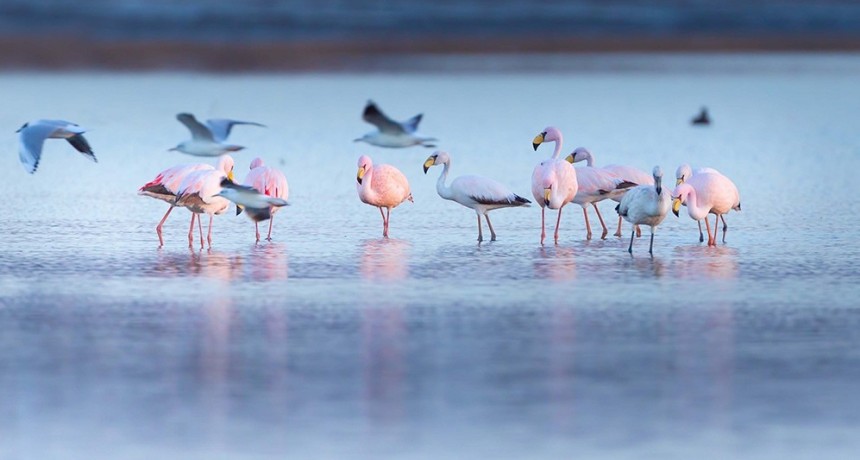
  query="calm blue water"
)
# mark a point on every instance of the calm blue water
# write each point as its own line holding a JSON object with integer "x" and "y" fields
{"x": 330, "y": 342}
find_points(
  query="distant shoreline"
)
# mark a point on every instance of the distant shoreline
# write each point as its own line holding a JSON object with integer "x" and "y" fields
{"x": 28, "y": 53}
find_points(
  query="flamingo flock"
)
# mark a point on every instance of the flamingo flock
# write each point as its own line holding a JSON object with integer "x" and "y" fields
{"x": 205, "y": 189}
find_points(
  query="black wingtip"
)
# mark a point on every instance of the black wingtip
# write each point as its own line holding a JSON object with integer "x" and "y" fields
{"x": 625, "y": 184}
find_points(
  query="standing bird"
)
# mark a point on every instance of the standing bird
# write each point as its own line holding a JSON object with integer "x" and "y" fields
{"x": 383, "y": 186}
{"x": 596, "y": 185}
{"x": 203, "y": 141}
{"x": 628, "y": 173}
{"x": 392, "y": 134}
{"x": 199, "y": 192}
{"x": 269, "y": 182}
{"x": 707, "y": 193}
{"x": 474, "y": 192}
{"x": 164, "y": 188}
{"x": 645, "y": 205}
{"x": 553, "y": 180}
{"x": 32, "y": 136}
{"x": 685, "y": 172}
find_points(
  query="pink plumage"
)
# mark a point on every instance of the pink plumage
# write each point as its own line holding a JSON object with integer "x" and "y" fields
{"x": 270, "y": 182}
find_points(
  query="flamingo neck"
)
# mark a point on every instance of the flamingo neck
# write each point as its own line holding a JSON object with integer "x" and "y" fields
{"x": 557, "y": 152}
{"x": 696, "y": 212}
{"x": 589, "y": 159}
{"x": 443, "y": 190}
{"x": 366, "y": 189}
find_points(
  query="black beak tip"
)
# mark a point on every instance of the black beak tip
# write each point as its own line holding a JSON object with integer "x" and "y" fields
{"x": 426, "y": 169}
{"x": 358, "y": 179}
{"x": 675, "y": 213}
{"x": 535, "y": 146}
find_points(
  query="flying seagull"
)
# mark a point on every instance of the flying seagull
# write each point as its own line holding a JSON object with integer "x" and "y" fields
{"x": 257, "y": 205}
{"x": 208, "y": 140}
{"x": 392, "y": 134}
{"x": 32, "y": 135}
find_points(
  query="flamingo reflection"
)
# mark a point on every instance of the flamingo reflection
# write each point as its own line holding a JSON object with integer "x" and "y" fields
{"x": 385, "y": 260}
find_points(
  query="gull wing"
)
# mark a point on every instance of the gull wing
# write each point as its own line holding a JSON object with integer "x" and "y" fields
{"x": 221, "y": 127}
{"x": 30, "y": 141}
{"x": 198, "y": 130}
{"x": 81, "y": 145}
{"x": 374, "y": 116}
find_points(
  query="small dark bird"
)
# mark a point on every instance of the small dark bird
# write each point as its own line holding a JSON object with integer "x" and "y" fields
{"x": 702, "y": 118}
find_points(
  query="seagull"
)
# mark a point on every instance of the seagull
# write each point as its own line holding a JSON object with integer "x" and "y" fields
{"x": 199, "y": 192}
{"x": 204, "y": 142}
{"x": 32, "y": 135}
{"x": 256, "y": 205}
{"x": 702, "y": 118}
{"x": 164, "y": 188}
{"x": 685, "y": 172}
{"x": 707, "y": 193}
{"x": 383, "y": 186}
{"x": 221, "y": 127}
{"x": 474, "y": 192}
{"x": 392, "y": 134}
{"x": 645, "y": 205}
{"x": 553, "y": 180}
{"x": 270, "y": 182}
{"x": 628, "y": 173}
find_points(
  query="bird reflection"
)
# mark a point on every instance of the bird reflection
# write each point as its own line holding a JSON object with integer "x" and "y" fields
{"x": 647, "y": 266}
{"x": 555, "y": 263}
{"x": 266, "y": 262}
{"x": 715, "y": 262}
{"x": 385, "y": 259}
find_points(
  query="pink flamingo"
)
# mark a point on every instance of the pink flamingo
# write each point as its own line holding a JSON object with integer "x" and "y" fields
{"x": 383, "y": 186}
{"x": 553, "y": 180}
{"x": 707, "y": 193}
{"x": 628, "y": 173}
{"x": 199, "y": 192}
{"x": 270, "y": 182}
{"x": 683, "y": 173}
{"x": 164, "y": 188}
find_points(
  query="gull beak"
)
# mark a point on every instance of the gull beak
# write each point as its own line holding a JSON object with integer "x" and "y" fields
{"x": 676, "y": 206}
{"x": 569, "y": 158}
{"x": 679, "y": 181}
{"x": 538, "y": 140}
{"x": 174, "y": 149}
{"x": 429, "y": 162}
{"x": 546, "y": 193}
{"x": 360, "y": 174}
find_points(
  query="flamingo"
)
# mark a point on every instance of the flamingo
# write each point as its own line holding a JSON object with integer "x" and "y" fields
{"x": 474, "y": 192}
{"x": 270, "y": 182}
{"x": 596, "y": 185}
{"x": 707, "y": 193}
{"x": 383, "y": 186}
{"x": 628, "y": 173}
{"x": 32, "y": 135}
{"x": 199, "y": 192}
{"x": 553, "y": 180}
{"x": 685, "y": 172}
{"x": 203, "y": 142}
{"x": 645, "y": 205}
{"x": 390, "y": 133}
{"x": 164, "y": 188}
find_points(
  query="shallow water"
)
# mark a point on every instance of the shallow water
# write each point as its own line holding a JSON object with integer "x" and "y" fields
{"x": 330, "y": 342}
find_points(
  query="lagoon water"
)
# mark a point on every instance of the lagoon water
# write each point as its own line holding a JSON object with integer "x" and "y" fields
{"x": 330, "y": 342}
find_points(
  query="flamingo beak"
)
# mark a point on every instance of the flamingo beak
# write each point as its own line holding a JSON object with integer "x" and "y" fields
{"x": 360, "y": 175}
{"x": 676, "y": 206}
{"x": 230, "y": 175}
{"x": 538, "y": 140}
{"x": 429, "y": 162}
{"x": 679, "y": 181}
{"x": 569, "y": 158}
{"x": 546, "y": 193}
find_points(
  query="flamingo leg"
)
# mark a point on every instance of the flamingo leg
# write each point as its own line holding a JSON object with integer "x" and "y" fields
{"x": 638, "y": 230}
{"x": 557, "y": 223}
{"x": 651, "y": 246}
{"x": 271, "y": 220}
{"x": 618, "y": 232}
{"x": 480, "y": 233}
{"x": 725, "y": 226}
{"x": 701, "y": 236}
{"x": 200, "y": 228}
{"x": 384, "y": 223}
{"x": 257, "y": 230}
{"x": 632, "y": 234}
{"x": 716, "y": 227}
{"x": 209, "y": 234}
{"x": 602, "y": 224}
{"x": 387, "y": 220}
{"x": 492, "y": 232}
{"x": 708, "y": 228}
{"x": 191, "y": 231}
{"x": 587, "y": 223}
{"x": 160, "y": 224}
{"x": 542, "y": 224}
